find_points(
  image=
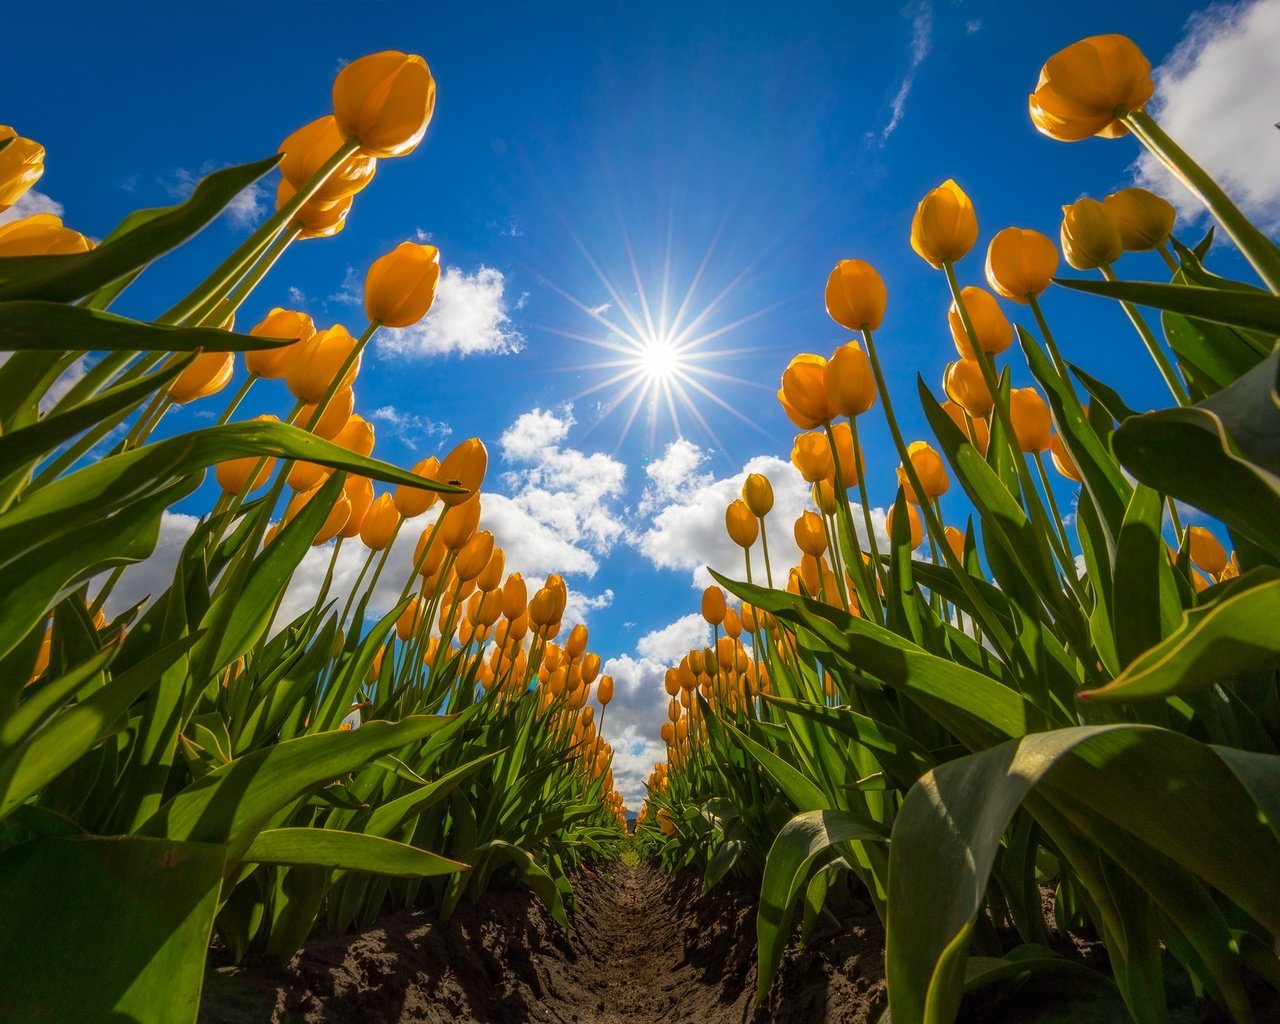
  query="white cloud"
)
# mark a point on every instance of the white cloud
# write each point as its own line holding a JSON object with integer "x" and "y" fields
{"x": 469, "y": 317}
{"x": 973, "y": 25}
{"x": 152, "y": 576}
{"x": 921, "y": 44}
{"x": 411, "y": 428}
{"x": 29, "y": 204}
{"x": 351, "y": 291}
{"x": 245, "y": 210}
{"x": 1216, "y": 96}
{"x": 64, "y": 383}
{"x": 296, "y": 295}
{"x": 669, "y": 644}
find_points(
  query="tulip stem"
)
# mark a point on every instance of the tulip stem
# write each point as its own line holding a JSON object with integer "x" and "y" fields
{"x": 228, "y": 306}
{"x": 1153, "y": 346}
{"x": 236, "y": 399}
{"x": 1256, "y": 247}
{"x": 764, "y": 543}
{"x": 1059, "y": 363}
{"x": 1173, "y": 265}
{"x": 1053, "y": 507}
{"x": 872, "y": 544}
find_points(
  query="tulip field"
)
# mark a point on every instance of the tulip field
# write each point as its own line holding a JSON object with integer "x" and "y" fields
{"x": 1022, "y": 727}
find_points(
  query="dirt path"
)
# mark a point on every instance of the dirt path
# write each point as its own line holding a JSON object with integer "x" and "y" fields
{"x": 642, "y": 948}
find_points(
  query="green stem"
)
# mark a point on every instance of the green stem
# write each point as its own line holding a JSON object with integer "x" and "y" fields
{"x": 260, "y": 269}
{"x": 1053, "y": 504}
{"x": 1256, "y": 247}
{"x": 1059, "y": 363}
{"x": 1153, "y": 347}
{"x": 872, "y": 544}
{"x": 1169, "y": 261}
{"x": 236, "y": 399}
{"x": 764, "y": 543}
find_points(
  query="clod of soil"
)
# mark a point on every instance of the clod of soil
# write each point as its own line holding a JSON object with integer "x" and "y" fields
{"x": 642, "y": 948}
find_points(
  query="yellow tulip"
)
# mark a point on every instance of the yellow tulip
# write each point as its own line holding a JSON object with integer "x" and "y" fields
{"x": 380, "y": 523}
{"x": 474, "y": 555}
{"x": 916, "y": 528}
{"x": 929, "y": 468}
{"x": 41, "y": 234}
{"x": 400, "y": 286}
{"x": 757, "y": 494}
{"x": 206, "y": 375}
{"x": 21, "y": 165}
{"x": 385, "y": 101}
{"x": 742, "y": 526}
{"x": 460, "y": 523}
{"x": 604, "y": 692}
{"x": 357, "y": 435}
{"x": 811, "y": 455}
{"x": 318, "y": 363}
{"x": 1090, "y": 238}
{"x": 1206, "y": 552}
{"x": 713, "y": 605}
{"x": 995, "y": 333}
{"x": 339, "y": 512}
{"x": 849, "y": 463}
{"x": 850, "y": 384}
{"x": 233, "y": 475}
{"x": 303, "y": 476}
{"x": 273, "y": 363}
{"x": 945, "y": 225}
{"x": 335, "y": 417}
{"x": 1143, "y": 219}
{"x": 1021, "y": 263}
{"x": 410, "y": 619}
{"x": 414, "y": 501}
{"x": 732, "y": 624}
{"x": 1062, "y": 460}
{"x": 824, "y": 496}
{"x": 429, "y": 553}
{"x": 1085, "y": 89}
{"x": 963, "y": 383}
{"x": 804, "y": 392}
{"x": 955, "y": 540}
{"x": 514, "y": 596}
{"x": 856, "y": 296}
{"x": 1031, "y": 420}
{"x": 309, "y": 148}
{"x": 464, "y": 467}
{"x": 359, "y": 491}
{"x": 315, "y": 220}
{"x": 811, "y": 537}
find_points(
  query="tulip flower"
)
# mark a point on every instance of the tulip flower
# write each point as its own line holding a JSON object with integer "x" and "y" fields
{"x": 380, "y": 523}
{"x": 21, "y": 165}
{"x": 849, "y": 462}
{"x": 41, "y": 234}
{"x": 490, "y": 577}
{"x": 929, "y": 468}
{"x": 206, "y": 375}
{"x": 1062, "y": 460}
{"x": 810, "y": 535}
{"x": 233, "y": 475}
{"x": 357, "y": 435}
{"x": 303, "y": 476}
{"x": 742, "y": 526}
{"x": 955, "y": 541}
{"x": 414, "y": 501}
{"x": 464, "y": 467}
{"x": 474, "y": 555}
{"x": 312, "y": 146}
{"x": 1206, "y": 552}
{"x": 824, "y": 496}
{"x": 757, "y": 494}
{"x": 856, "y": 296}
{"x": 359, "y": 491}
{"x": 514, "y": 596}
{"x": 1090, "y": 238}
{"x": 1143, "y": 219}
{"x": 318, "y": 363}
{"x": 803, "y": 393}
{"x": 850, "y": 384}
{"x": 457, "y": 527}
{"x": 1087, "y": 88}
{"x": 410, "y": 619}
{"x": 963, "y": 383}
{"x": 333, "y": 524}
{"x": 992, "y": 327}
{"x": 604, "y": 692}
{"x": 916, "y": 528}
{"x": 1021, "y": 263}
{"x": 577, "y": 642}
{"x": 1032, "y": 423}
{"x": 336, "y": 415}
{"x": 713, "y": 605}
{"x": 400, "y": 286}
{"x": 945, "y": 226}
{"x": 314, "y": 220}
{"x": 385, "y": 101}
{"x": 811, "y": 455}
{"x": 273, "y": 363}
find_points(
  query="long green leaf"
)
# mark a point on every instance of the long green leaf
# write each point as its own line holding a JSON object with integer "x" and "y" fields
{"x": 347, "y": 851}
{"x": 1251, "y": 310}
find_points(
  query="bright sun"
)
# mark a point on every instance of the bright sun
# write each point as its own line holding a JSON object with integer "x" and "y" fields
{"x": 658, "y": 359}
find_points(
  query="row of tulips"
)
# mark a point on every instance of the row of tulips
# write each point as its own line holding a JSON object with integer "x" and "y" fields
{"x": 1031, "y": 703}
{"x": 196, "y": 764}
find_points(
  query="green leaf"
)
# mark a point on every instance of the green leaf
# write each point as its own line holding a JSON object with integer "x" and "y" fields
{"x": 1232, "y": 633}
{"x": 803, "y": 840}
{"x": 106, "y": 929}
{"x": 347, "y": 851}
{"x": 1251, "y": 310}
{"x": 56, "y": 326}
{"x": 66, "y": 278}
{"x": 1143, "y": 585}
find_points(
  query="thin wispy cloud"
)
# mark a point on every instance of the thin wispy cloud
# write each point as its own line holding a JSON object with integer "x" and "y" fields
{"x": 921, "y": 44}
{"x": 246, "y": 210}
{"x": 414, "y": 430}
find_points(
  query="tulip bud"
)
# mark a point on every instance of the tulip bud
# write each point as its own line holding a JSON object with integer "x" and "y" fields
{"x": 414, "y": 501}
{"x": 916, "y": 528}
{"x": 856, "y": 296}
{"x": 464, "y": 467}
{"x": 742, "y": 526}
{"x": 1206, "y": 552}
{"x": 401, "y": 286}
{"x": 410, "y": 619}
{"x": 1088, "y": 87}
{"x": 1021, "y": 263}
{"x": 357, "y": 436}
{"x": 474, "y": 555}
{"x": 811, "y": 536}
{"x": 206, "y": 375}
{"x": 713, "y": 605}
{"x": 21, "y": 165}
{"x": 967, "y": 388}
{"x": 945, "y": 226}
{"x": 318, "y": 363}
{"x": 380, "y": 523}
{"x": 309, "y": 148}
{"x": 233, "y": 475}
{"x": 1143, "y": 219}
{"x": 811, "y": 455}
{"x": 359, "y": 491}
{"x": 385, "y": 100}
{"x": 273, "y": 363}
{"x": 955, "y": 540}
{"x": 514, "y": 596}
{"x": 335, "y": 417}
{"x": 1031, "y": 420}
{"x": 849, "y": 463}
{"x": 992, "y": 327}
{"x": 929, "y": 468}
{"x": 1089, "y": 236}
{"x": 757, "y": 494}
{"x": 604, "y": 692}
{"x": 1062, "y": 460}
{"x": 851, "y": 386}
{"x": 41, "y": 234}
{"x": 804, "y": 392}
{"x": 315, "y": 220}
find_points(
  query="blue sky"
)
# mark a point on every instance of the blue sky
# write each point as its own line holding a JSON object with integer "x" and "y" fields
{"x": 760, "y": 142}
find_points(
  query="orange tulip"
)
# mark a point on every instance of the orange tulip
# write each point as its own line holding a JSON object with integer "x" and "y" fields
{"x": 929, "y": 468}
{"x": 916, "y": 528}
{"x": 1031, "y": 420}
{"x": 21, "y": 165}
{"x": 318, "y": 363}
{"x": 803, "y": 393}
{"x": 992, "y": 327}
{"x": 967, "y": 388}
{"x": 309, "y": 148}
{"x": 401, "y": 286}
{"x": 385, "y": 100}
{"x": 811, "y": 455}
{"x": 206, "y": 375}
{"x": 465, "y": 467}
{"x": 856, "y": 296}
{"x": 274, "y": 363}
{"x": 380, "y": 523}
{"x": 945, "y": 226}
{"x": 851, "y": 386}
{"x": 1088, "y": 87}
{"x": 1021, "y": 263}
{"x": 41, "y": 234}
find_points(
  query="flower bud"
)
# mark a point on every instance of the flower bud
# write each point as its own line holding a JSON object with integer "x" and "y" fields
{"x": 1206, "y": 552}
{"x": 811, "y": 536}
{"x": 359, "y": 491}
{"x": 357, "y": 436}
{"x": 811, "y": 455}
{"x": 464, "y": 467}
{"x": 604, "y": 692}
{"x": 385, "y": 100}
{"x": 21, "y": 165}
{"x": 1062, "y": 460}
{"x": 490, "y": 577}
{"x": 967, "y": 388}
{"x": 742, "y": 527}
{"x": 757, "y": 494}
{"x": 414, "y": 501}
{"x": 401, "y": 286}
{"x": 804, "y": 392}
{"x": 851, "y": 386}
{"x": 732, "y": 624}
{"x": 206, "y": 375}
{"x": 992, "y": 327}
{"x": 713, "y": 605}
{"x": 514, "y": 596}
{"x": 460, "y": 523}
{"x": 916, "y": 528}
{"x": 1021, "y": 263}
{"x": 577, "y": 642}
{"x": 380, "y": 523}
{"x": 1031, "y": 420}
{"x": 335, "y": 417}
{"x": 1086, "y": 88}
{"x": 474, "y": 555}
{"x": 1143, "y": 219}
{"x": 318, "y": 363}
{"x": 309, "y": 148}
{"x": 1089, "y": 236}
{"x": 41, "y": 234}
{"x": 233, "y": 475}
{"x": 856, "y": 296}
{"x": 273, "y": 363}
{"x": 945, "y": 226}
{"x": 929, "y": 468}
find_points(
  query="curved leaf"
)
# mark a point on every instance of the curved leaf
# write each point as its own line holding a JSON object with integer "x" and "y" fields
{"x": 1253, "y": 310}
{"x": 347, "y": 851}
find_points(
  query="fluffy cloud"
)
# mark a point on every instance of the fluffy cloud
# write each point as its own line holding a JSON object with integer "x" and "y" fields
{"x": 469, "y": 317}
{"x": 411, "y": 428}
{"x": 152, "y": 576}
{"x": 1215, "y": 94}
{"x": 28, "y": 205}
{"x": 668, "y": 645}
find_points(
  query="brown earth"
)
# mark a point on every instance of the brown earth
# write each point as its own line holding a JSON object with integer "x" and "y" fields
{"x": 643, "y": 948}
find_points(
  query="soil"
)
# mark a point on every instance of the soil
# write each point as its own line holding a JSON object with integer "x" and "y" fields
{"x": 643, "y": 947}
